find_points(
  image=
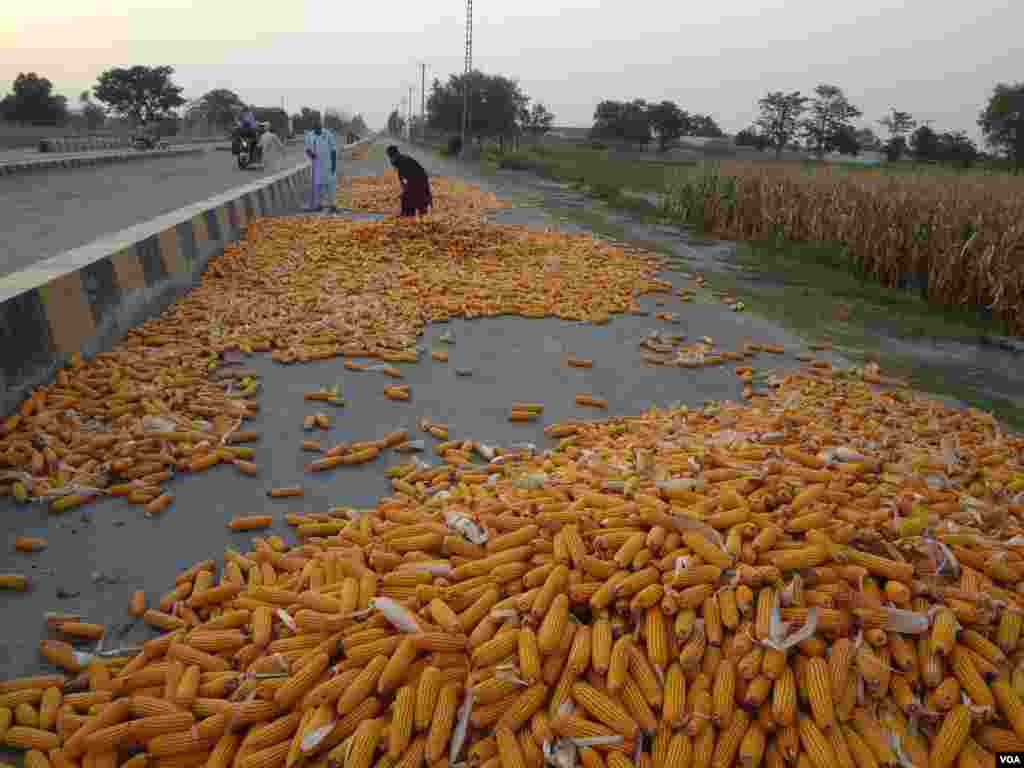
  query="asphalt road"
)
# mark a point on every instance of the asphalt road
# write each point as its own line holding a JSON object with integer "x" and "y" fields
{"x": 104, "y": 552}
{"x": 48, "y": 212}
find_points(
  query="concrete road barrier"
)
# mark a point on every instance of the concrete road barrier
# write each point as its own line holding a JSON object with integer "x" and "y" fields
{"x": 85, "y": 300}
{"x": 46, "y": 162}
{"x": 82, "y": 143}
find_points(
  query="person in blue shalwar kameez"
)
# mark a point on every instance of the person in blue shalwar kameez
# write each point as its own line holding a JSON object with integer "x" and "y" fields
{"x": 322, "y": 151}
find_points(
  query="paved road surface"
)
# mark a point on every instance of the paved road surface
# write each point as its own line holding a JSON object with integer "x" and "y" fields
{"x": 48, "y": 212}
{"x": 110, "y": 549}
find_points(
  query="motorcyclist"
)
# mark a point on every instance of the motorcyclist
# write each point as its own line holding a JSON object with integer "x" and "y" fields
{"x": 246, "y": 128}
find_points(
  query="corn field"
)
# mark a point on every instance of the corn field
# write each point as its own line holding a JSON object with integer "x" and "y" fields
{"x": 959, "y": 240}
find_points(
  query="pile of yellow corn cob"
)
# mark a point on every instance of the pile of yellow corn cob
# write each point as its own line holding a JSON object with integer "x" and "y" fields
{"x": 123, "y": 422}
{"x": 379, "y": 194}
{"x": 828, "y": 576}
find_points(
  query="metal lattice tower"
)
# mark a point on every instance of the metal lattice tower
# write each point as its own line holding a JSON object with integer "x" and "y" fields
{"x": 469, "y": 68}
{"x": 469, "y": 36}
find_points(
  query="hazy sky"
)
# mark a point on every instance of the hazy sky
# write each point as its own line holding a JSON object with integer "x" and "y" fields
{"x": 936, "y": 59}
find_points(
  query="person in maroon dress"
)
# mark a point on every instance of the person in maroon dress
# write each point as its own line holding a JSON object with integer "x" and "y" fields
{"x": 416, "y": 196}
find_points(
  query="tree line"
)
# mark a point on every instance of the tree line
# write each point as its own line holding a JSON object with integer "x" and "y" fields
{"x": 144, "y": 96}
{"x": 637, "y": 121}
{"x": 823, "y": 123}
{"x": 498, "y": 110}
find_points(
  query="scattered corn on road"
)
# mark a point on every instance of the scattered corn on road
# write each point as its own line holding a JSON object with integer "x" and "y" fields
{"x": 51, "y": 211}
{"x": 97, "y": 556}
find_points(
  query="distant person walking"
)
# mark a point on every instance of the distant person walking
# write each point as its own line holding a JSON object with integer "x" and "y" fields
{"x": 272, "y": 150}
{"x": 322, "y": 151}
{"x": 416, "y": 196}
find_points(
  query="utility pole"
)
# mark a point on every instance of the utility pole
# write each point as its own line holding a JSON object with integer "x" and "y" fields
{"x": 411, "y": 110}
{"x": 423, "y": 100}
{"x": 405, "y": 112}
{"x": 469, "y": 67}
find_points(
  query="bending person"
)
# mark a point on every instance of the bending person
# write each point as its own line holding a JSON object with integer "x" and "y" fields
{"x": 416, "y": 195}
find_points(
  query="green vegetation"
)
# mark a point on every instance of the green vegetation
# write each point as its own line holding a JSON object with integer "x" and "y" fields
{"x": 606, "y": 169}
{"x": 809, "y": 289}
{"x": 814, "y": 289}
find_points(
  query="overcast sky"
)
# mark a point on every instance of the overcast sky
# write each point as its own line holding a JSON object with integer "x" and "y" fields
{"x": 936, "y": 59}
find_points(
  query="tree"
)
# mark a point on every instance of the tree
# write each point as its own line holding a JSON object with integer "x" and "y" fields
{"x": 276, "y": 116}
{"x": 752, "y": 137}
{"x": 358, "y": 126}
{"x": 957, "y": 148}
{"x": 219, "y": 107}
{"x": 899, "y": 124}
{"x": 844, "y": 141}
{"x": 780, "y": 117}
{"x": 868, "y": 140}
{"x": 924, "y": 142}
{"x": 704, "y": 126}
{"x": 503, "y": 105}
{"x": 141, "y": 94}
{"x": 668, "y": 122}
{"x": 306, "y": 119}
{"x": 168, "y": 125}
{"x": 830, "y": 123}
{"x": 536, "y": 120}
{"x": 895, "y": 148}
{"x": 628, "y": 121}
{"x": 395, "y": 123}
{"x": 496, "y": 105}
{"x": 1002, "y": 122}
{"x": 33, "y": 101}
{"x": 607, "y": 119}
{"x": 93, "y": 114}
{"x": 336, "y": 120}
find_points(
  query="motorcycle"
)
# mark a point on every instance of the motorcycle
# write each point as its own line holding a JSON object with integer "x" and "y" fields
{"x": 145, "y": 142}
{"x": 247, "y": 150}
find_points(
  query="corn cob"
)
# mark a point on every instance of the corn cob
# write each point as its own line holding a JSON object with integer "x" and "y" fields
{"x": 604, "y": 709}
{"x": 442, "y": 721}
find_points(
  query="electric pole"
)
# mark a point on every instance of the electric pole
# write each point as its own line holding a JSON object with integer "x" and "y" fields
{"x": 411, "y": 110}
{"x": 469, "y": 67}
{"x": 423, "y": 99}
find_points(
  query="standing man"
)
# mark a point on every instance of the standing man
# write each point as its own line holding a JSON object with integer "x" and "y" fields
{"x": 272, "y": 150}
{"x": 416, "y": 196}
{"x": 322, "y": 151}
